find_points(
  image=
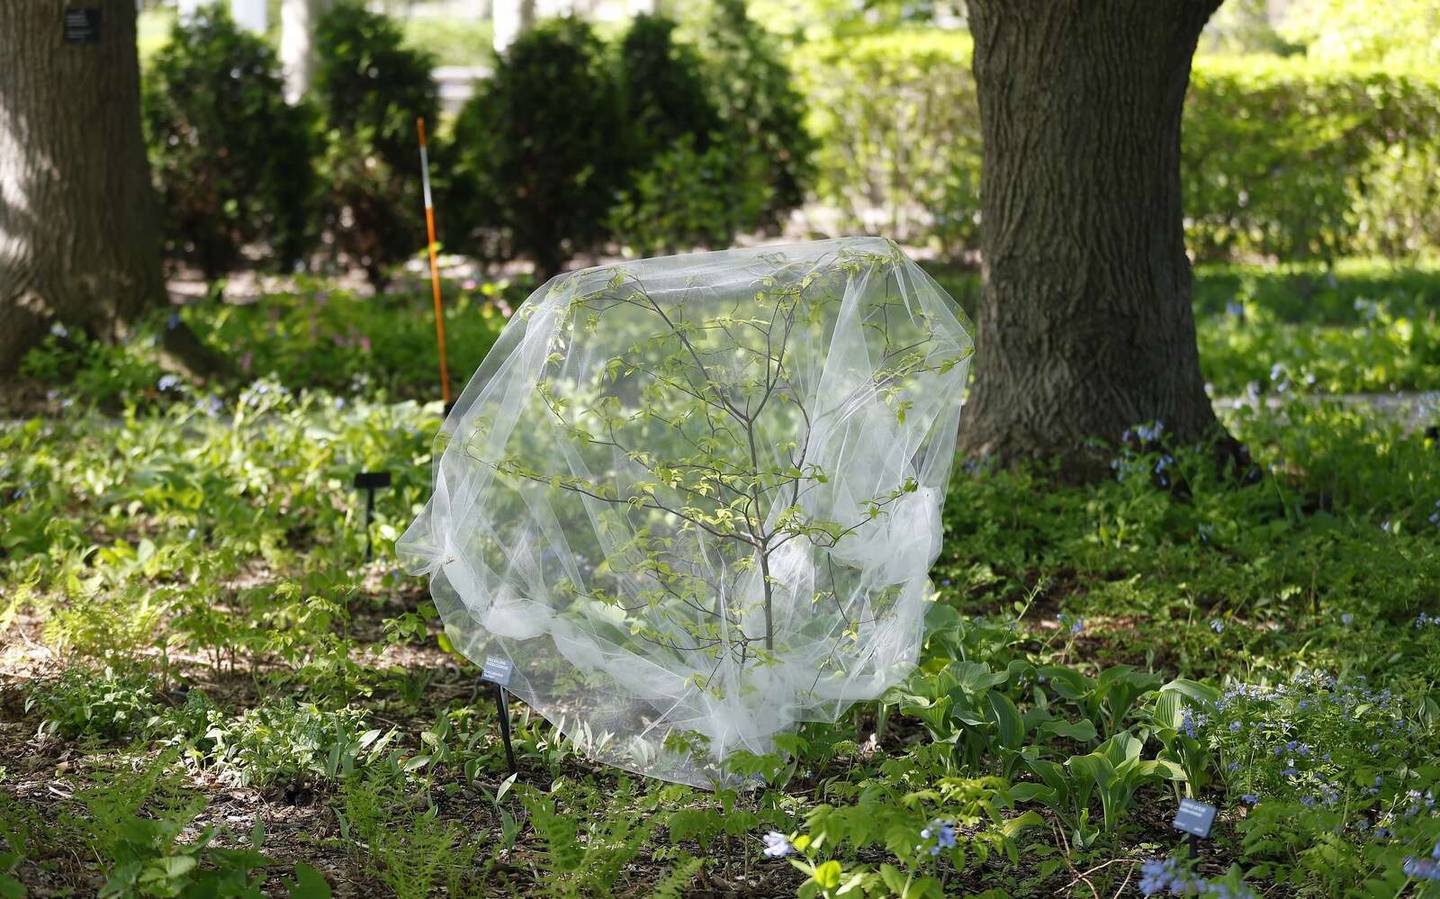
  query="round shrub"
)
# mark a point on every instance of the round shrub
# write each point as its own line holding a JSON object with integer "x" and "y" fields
{"x": 539, "y": 150}
{"x": 371, "y": 88}
{"x": 758, "y": 103}
{"x": 686, "y": 198}
{"x": 232, "y": 162}
{"x": 665, "y": 94}
{"x": 690, "y": 182}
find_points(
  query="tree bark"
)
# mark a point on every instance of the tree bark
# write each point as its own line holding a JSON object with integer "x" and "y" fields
{"x": 79, "y": 236}
{"x": 1085, "y": 324}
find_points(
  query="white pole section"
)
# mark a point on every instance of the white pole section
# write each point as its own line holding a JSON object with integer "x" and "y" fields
{"x": 250, "y": 14}
{"x": 511, "y": 19}
{"x": 297, "y": 44}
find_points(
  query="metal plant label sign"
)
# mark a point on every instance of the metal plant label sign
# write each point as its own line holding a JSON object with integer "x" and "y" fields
{"x": 1195, "y": 818}
{"x": 497, "y": 671}
{"x": 82, "y": 25}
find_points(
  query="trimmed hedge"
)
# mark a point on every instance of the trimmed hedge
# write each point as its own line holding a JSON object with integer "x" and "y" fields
{"x": 1299, "y": 160}
{"x": 898, "y": 127}
{"x": 1282, "y": 158}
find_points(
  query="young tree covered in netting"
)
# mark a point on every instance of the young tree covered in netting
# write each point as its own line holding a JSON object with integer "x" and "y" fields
{"x": 695, "y": 499}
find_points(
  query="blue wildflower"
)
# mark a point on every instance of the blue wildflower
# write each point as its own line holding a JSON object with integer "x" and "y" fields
{"x": 1421, "y": 868}
{"x": 1250, "y": 799}
{"x": 1347, "y": 619}
{"x": 1158, "y": 875}
{"x": 1217, "y": 625}
{"x": 777, "y": 845}
{"x": 943, "y": 832}
{"x": 168, "y": 382}
{"x": 1151, "y": 432}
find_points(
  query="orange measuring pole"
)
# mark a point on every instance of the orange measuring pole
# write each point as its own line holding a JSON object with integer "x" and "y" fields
{"x": 434, "y": 265}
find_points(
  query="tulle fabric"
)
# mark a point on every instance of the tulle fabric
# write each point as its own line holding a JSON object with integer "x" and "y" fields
{"x": 694, "y": 499}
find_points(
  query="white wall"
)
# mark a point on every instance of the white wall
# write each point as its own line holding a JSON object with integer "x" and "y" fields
{"x": 251, "y": 14}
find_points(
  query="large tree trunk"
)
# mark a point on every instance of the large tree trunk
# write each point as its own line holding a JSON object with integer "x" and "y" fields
{"x": 79, "y": 239}
{"x": 1085, "y": 320}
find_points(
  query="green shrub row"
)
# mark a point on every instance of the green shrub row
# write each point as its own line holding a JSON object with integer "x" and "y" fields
{"x": 1296, "y": 160}
{"x": 652, "y": 142}
{"x": 245, "y": 178}
{"x": 1282, "y": 158}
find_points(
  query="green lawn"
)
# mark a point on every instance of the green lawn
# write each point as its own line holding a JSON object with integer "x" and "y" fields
{"x": 192, "y": 641}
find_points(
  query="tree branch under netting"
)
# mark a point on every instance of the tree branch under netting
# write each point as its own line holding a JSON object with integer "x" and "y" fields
{"x": 694, "y": 499}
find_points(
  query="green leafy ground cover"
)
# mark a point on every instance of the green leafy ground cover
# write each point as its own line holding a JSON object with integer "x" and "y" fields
{"x": 206, "y": 692}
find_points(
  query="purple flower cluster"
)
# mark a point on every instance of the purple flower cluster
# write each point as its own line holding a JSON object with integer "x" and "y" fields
{"x": 942, "y": 832}
{"x": 1191, "y": 723}
{"x": 1145, "y": 433}
{"x": 1309, "y": 726}
{"x": 777, "y": 845}
{"x": 1423, "y": 868}
{"x": 1167, "y": 877}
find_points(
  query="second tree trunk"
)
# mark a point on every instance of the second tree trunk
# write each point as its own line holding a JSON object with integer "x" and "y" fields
{"x": 1085, "y": 320}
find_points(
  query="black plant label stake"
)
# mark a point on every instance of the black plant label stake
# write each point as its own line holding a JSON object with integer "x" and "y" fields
{"x": 498, "y": 672}
{"x": 370, "y": 481}
{"x": 1194, "y": 819}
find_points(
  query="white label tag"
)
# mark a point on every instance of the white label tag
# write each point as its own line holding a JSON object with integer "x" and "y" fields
{"x": 497, "y": 670}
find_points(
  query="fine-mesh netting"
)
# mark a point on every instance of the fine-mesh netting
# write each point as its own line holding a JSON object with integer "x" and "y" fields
{"x": 694, "y": 499}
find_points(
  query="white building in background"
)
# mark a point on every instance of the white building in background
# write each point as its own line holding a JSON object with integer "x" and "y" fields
{"x": 510, "y": 19}
{"x": 250, "y": 14}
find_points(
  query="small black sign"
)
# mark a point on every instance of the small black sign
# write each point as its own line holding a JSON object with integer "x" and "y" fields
{"x": 497, "y": 670}
{"x": 372, "y": 480}
{"x": 1194, "y": 818}
{"x": 82, "y": 25}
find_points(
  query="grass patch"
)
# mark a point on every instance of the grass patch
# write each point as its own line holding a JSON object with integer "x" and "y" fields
{"x": 241, "y": 703}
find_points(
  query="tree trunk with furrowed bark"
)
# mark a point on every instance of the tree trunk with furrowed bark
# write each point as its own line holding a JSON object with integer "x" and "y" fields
{"x": 1085, "y": 324}
{"x": 79, "y": 240}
